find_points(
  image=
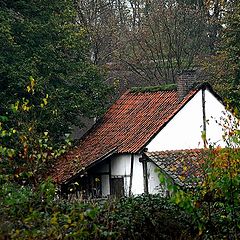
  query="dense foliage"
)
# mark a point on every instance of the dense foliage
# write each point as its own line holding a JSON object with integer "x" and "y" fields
{"x": 215, "y": 203}
{"x": 27, "y": 214}
{"x": 26, "y": 154}
{"x": 150, "y": 217}
{"x": 42, "y": 39}
{"x": 224, "y": 66}
{"x": 48, "y": 83}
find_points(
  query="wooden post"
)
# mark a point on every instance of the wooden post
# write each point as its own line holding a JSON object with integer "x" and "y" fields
{"x": 143, "y": 160}
{"x": 131, "y": 174}
{"x": 145, "y": 177}
{"x": 204, "y": 119}
{"x": 110, "y": 175}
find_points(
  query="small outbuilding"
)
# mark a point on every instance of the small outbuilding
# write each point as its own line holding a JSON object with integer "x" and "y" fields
{"x": 117, "y": 156}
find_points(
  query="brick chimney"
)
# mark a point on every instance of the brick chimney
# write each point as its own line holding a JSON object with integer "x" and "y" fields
{"x": 185, "y": 82}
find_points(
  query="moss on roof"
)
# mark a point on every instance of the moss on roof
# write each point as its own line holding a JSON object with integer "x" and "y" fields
{"x": 165, "y": 87}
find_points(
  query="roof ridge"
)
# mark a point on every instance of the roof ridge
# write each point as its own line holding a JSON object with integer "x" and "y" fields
{"x": 154, "y": 88}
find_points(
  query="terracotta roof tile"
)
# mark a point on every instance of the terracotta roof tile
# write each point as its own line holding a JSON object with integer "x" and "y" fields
{"x": 125, "y": 128}
{"x": 183, "y": 166}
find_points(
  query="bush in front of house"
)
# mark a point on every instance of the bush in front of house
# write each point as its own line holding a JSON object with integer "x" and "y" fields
{"x": 150, "y": 217}
{"x": 214, "y": 202}
{"x": 38, "y": 214}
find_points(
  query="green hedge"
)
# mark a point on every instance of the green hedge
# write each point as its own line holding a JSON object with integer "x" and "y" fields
{"x": 39, "y": 214}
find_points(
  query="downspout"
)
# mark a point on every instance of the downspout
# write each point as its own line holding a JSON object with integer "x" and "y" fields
{"x": 131, "y": 174}
{"x": 204, "y": 132}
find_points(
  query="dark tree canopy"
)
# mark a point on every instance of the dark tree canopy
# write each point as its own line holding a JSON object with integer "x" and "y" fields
{"x": 224, "y": 66}
{"x": 42, "y": 39}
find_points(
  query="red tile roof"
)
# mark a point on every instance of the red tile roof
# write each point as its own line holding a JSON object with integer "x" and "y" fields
{"x": 127, "y": 126}
{"x": 183, "y": 166}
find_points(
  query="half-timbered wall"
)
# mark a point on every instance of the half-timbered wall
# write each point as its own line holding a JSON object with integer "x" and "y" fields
{"x": 123, "y": 173}
{"x": 119, "y": 167}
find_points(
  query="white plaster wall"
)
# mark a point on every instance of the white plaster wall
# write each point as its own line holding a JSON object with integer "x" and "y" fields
{"x": 184, "y": 130}
{"x": 126, "y": 186}
{"x": 121, "y": 164}
{"x": 214, "y": 112}
{"x": 137, "y": 181}
{"x": 153, "y": 180}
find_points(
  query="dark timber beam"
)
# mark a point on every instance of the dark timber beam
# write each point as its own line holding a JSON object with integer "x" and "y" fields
{"x": 144, "y": 161}
{"x": 204, "y": 134}
{"x": 131, "y": 174}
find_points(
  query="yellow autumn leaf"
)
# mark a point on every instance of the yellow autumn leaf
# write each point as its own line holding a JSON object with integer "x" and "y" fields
{"x": 45, "y": 101}
{"x": 185, "y": 168}
{"x": 24, "y": 107}
{"x": 54, "y": 220}
{"x": 182, "y": 178}
{"x": 4, "y": 132}
{"x": 81, "y": 216}
{"x": 32, "y": 82}
{"x": 11, "y": 153}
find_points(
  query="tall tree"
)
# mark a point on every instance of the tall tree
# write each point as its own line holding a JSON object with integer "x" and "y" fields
{"x": 169, "y": 38}
{"x": 150, "y": 41}
{"x": 147, "y": 40}
{"x": 42, "y": 39}
{"x": 103, "y": 21}
{"x": 224, "y": 66}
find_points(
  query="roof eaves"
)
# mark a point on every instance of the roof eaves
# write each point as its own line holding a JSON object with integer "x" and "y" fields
{"x": 102, "y": 158}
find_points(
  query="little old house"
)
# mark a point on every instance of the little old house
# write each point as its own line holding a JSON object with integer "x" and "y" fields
{"x": 144, "y": 129}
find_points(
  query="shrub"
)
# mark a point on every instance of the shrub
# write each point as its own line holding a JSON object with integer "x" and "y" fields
{"x": 39, "y": 214}
{"x": 149, "y": 217}
{"x": 215, "y": 202}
